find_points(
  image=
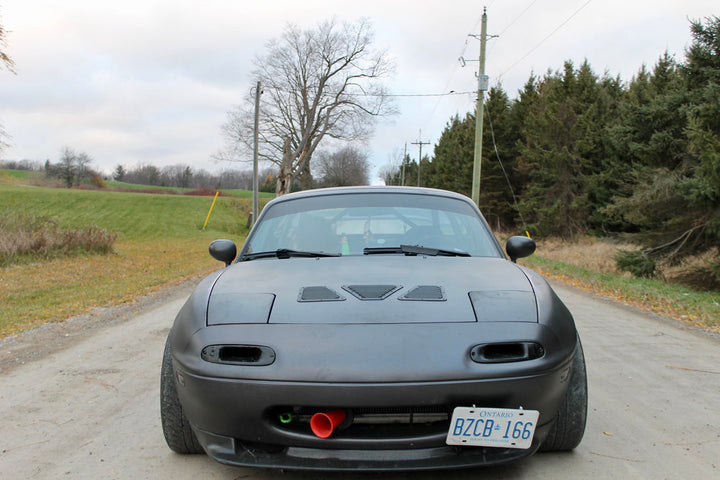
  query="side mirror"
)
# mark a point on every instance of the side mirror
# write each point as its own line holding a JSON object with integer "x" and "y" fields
{"x": 224, "y": 251}
{"x": 520, "y": 247}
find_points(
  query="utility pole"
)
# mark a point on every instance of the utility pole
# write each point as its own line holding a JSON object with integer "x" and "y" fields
{"x": 479, "y": 110}
{"x": 402, "y": 167}
{"x": 255, "y": 155}
{"x": 421, "y": 143}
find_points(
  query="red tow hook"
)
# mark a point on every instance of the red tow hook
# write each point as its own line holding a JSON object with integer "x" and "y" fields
{"x": 322, "y": 424}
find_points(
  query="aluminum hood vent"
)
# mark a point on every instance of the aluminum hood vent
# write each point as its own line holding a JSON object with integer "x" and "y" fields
{"x": 319, "y": 294}
{"x": 371, "y": 292}
{"x": 425, "y": 293}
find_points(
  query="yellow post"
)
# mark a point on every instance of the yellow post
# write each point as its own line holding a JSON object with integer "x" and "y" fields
{"x": 211, "y": 209}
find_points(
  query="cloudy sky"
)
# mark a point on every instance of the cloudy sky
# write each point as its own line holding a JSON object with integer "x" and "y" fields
{"x": 150, "y": 81}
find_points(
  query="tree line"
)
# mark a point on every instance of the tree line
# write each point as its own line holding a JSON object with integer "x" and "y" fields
{"x": 346, "y": 166}
{"x": 184, "y": 176}
{"x": 588, "y": 153}
{"x": 75, "y": 169}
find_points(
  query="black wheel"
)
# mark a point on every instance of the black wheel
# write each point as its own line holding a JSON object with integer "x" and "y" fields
{"x": 178, "y": 434}
{"x": 569, "y": 425}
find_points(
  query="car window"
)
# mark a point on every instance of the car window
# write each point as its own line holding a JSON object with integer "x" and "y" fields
{"x": 347, "y": 224}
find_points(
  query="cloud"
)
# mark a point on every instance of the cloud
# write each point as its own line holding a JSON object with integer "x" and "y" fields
{"x": 150, "y": 81}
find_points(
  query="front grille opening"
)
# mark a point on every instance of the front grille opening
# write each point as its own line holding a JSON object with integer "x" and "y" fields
{"x": 506, "y": 352}
{"x": 240, "y": 354}
{"x": 251, "y": 355}
{"x": 364, "y": 423}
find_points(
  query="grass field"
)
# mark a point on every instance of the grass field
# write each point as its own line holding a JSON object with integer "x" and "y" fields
{"x": 234, "y": 192}
{"x": 21, "y": 176}
{"x": 160, "y": 242}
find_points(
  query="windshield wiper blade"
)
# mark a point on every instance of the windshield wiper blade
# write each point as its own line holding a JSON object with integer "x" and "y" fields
{"x": 287, "y": 253}
{"x": 412, "y": 250}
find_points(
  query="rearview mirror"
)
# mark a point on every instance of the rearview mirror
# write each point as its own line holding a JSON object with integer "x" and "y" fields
{"x": 223, "y": 250}
{"x": 520, "y": 247}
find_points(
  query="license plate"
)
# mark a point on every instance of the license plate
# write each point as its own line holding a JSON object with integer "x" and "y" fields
{"x": 492, "y": 427}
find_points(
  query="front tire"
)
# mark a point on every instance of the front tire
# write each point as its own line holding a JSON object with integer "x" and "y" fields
{"x": 568, "y": 427}
{"x": 178, "y": 434}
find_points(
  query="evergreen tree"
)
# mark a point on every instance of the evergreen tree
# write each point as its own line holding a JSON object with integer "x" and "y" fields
{"x": 453, "y": 156}
{"x": 590, "y": 154}
{"x": 675, "y": 204}
{"x": 119, "y": 173}
{"x": 560, "y": 151}
{"x": 405, "y": 175}
{"x": 499, "y": 161}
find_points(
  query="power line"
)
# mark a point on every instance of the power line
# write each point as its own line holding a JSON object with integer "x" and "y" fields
{"x": 452, "y": 76}
{"x": 517, "y": 18}
{"x": 451, "y": 92}
{"x": 546, "y": 38}
{"x": 446, "y": 94}
{"x": 507, "y": 178}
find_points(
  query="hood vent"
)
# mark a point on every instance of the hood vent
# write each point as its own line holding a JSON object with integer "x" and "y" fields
{"x": 319, "y": 294}
{"x": 371, "y": 292}
{"x": 425, "y": 293}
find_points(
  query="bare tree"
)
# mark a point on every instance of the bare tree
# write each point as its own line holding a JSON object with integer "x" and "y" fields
{"x": 390, "y": 172}
{"x": 73, "y": 168}
{"x": 143, "y": 174}
{"x": 9, "y": 64}
{"x": 179, "y": 175}
{"x": 4, "y": 57}
{"x": 321, "y": 83}
{"x": 346, "y": 167}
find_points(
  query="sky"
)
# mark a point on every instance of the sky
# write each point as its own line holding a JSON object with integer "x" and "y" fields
{"x": 140, "y": 82}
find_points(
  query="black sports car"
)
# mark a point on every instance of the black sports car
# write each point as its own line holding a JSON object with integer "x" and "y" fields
{"x": 372, "y": 328}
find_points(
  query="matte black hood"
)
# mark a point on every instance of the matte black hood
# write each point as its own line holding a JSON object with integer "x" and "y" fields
{"x": 372, "y": 289}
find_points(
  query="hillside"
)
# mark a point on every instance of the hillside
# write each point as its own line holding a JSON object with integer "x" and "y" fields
{"x": 160, "y": 242}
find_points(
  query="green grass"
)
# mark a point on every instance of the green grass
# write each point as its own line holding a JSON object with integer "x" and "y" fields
{"x": 248, "y": 194}
{"x": 160, "y": 242}
{"x": 38, "y": 178}
{"x": 15, "y": 176}
{"x": 133, "y": 186}
{"x": 133, "y": 216}
{"x": 676, "y": 301}
{"x": 234, "y": 192}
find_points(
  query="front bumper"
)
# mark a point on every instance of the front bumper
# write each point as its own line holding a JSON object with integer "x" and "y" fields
{"x": 230, "y": 451}
{"x": 237, "y": 422}
{"x": 235, "y": 410}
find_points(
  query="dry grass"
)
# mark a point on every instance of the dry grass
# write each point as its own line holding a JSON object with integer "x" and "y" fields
{"x": 681, "y": 292}
{"x": 36, "y": 293}
{"x": 598, "y": 255}
{"x": 25, "y": 237}
{"x": 588, "y": 252}
{"x": 159, "y": 243}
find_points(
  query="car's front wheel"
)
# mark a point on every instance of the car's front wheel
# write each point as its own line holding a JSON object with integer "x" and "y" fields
{"x": 178, "y": 434}
{"x": 569, "y": 426}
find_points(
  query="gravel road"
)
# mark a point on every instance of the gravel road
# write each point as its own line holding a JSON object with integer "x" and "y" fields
{"x": 80, "y": 400}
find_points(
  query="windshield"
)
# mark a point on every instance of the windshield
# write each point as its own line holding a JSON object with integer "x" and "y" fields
{"x": 348, "y": 224}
